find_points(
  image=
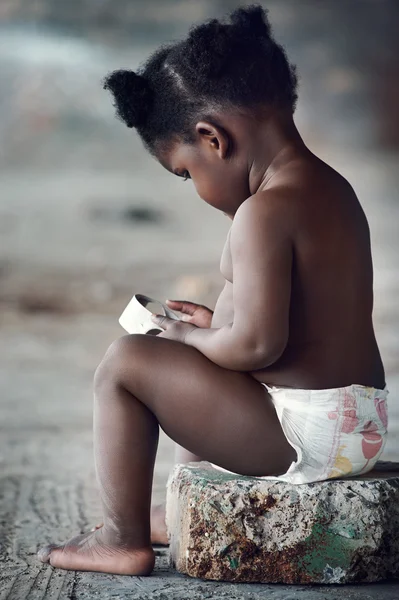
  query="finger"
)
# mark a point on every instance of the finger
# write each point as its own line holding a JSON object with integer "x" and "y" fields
{"x": 162, "y": 321}
{"x": 181, "y": 305}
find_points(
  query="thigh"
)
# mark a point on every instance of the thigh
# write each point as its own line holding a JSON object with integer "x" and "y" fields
{"x": 226, "y": 417}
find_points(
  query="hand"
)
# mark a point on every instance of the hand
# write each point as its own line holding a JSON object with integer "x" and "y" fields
{"x": 173, "y": 330}
{"x": 196, "y": 314}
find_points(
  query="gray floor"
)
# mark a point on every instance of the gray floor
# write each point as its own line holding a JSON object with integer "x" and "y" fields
{"x": 73, "y": 251}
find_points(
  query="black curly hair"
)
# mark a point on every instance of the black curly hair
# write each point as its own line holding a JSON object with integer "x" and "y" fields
{"x": 217, "y": 66}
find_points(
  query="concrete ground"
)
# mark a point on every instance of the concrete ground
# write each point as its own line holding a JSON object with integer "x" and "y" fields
{"x": 86, "y": 220}
{"x": 47, "y": 489}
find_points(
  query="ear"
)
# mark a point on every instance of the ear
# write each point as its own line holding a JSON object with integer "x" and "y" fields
{"x": 215, "y": 137}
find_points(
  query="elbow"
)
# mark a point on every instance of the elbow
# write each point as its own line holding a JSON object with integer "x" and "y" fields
{"x": 265, "y": 355}
{"x": 255, "y": 353}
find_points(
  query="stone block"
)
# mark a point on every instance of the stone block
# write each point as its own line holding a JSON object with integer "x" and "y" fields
{"x": 230, "y": 527}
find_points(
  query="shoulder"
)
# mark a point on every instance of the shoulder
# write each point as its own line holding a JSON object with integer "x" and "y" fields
{"x": 269, "y": 210}
{"x": 293, "y": 196}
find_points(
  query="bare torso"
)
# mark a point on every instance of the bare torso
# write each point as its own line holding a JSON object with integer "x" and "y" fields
{"x": 331, "y": 338}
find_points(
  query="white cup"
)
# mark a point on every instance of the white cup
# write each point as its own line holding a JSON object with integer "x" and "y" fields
{"x": 136, "y": 318}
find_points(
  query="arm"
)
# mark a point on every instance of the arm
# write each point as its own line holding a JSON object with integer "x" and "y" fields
{"x": 261, "y": 252}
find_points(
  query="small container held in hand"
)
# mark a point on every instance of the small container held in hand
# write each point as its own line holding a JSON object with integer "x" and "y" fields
{"x": 136, "y": 318}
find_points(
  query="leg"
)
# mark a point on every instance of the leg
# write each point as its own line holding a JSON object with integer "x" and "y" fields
{"x": 125, "y": 443}
{"x": 144, "y": 381}
{"x": 159, "y": 534}
{"x": 184, "y": 456}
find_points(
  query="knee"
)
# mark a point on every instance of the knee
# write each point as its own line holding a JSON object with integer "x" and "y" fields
{"x": 119, "y": 355}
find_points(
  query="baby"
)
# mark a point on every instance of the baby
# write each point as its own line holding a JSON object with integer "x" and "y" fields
{"x": 284, "y": 380}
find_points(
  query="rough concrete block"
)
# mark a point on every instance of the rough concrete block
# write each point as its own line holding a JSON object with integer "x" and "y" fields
{"x": 234, "y": 528}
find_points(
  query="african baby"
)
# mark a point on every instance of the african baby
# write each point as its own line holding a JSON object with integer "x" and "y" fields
{"x": 284, "y": 375}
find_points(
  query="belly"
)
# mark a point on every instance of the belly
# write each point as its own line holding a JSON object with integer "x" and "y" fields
{"x": 224, "y": 311}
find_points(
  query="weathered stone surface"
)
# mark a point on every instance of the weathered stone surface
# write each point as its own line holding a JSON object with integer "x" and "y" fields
{"x": 229, "y": 527}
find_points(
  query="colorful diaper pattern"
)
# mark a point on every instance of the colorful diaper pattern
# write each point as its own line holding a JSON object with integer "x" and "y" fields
{"x": 369, "y": 435}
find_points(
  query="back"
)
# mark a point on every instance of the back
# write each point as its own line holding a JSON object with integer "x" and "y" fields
{"x": 331, "y": 340}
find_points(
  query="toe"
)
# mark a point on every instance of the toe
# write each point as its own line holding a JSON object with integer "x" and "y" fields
{"x": 58, "y": 558}
{"x": 44, "y": 553}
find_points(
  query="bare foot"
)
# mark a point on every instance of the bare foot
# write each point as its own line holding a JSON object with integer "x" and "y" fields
{"x": 90, "y": 552}
{"x": 158, "y": 527}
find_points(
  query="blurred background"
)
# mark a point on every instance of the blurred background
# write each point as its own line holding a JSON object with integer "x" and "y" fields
{"x": 88, "y": 218}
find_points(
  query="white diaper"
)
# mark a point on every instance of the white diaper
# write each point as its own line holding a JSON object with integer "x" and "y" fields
{"x": 337, "y": 432}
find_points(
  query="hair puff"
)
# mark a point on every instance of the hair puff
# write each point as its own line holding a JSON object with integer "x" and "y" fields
{"x": 137, "y": 94}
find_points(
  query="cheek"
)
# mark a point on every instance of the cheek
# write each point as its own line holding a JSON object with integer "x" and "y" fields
{"x": 212, "y": 191}
{"x": 222, "y": 192}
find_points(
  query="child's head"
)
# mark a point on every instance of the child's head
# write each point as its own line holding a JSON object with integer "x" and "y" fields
{"x": 179, "y": 99}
